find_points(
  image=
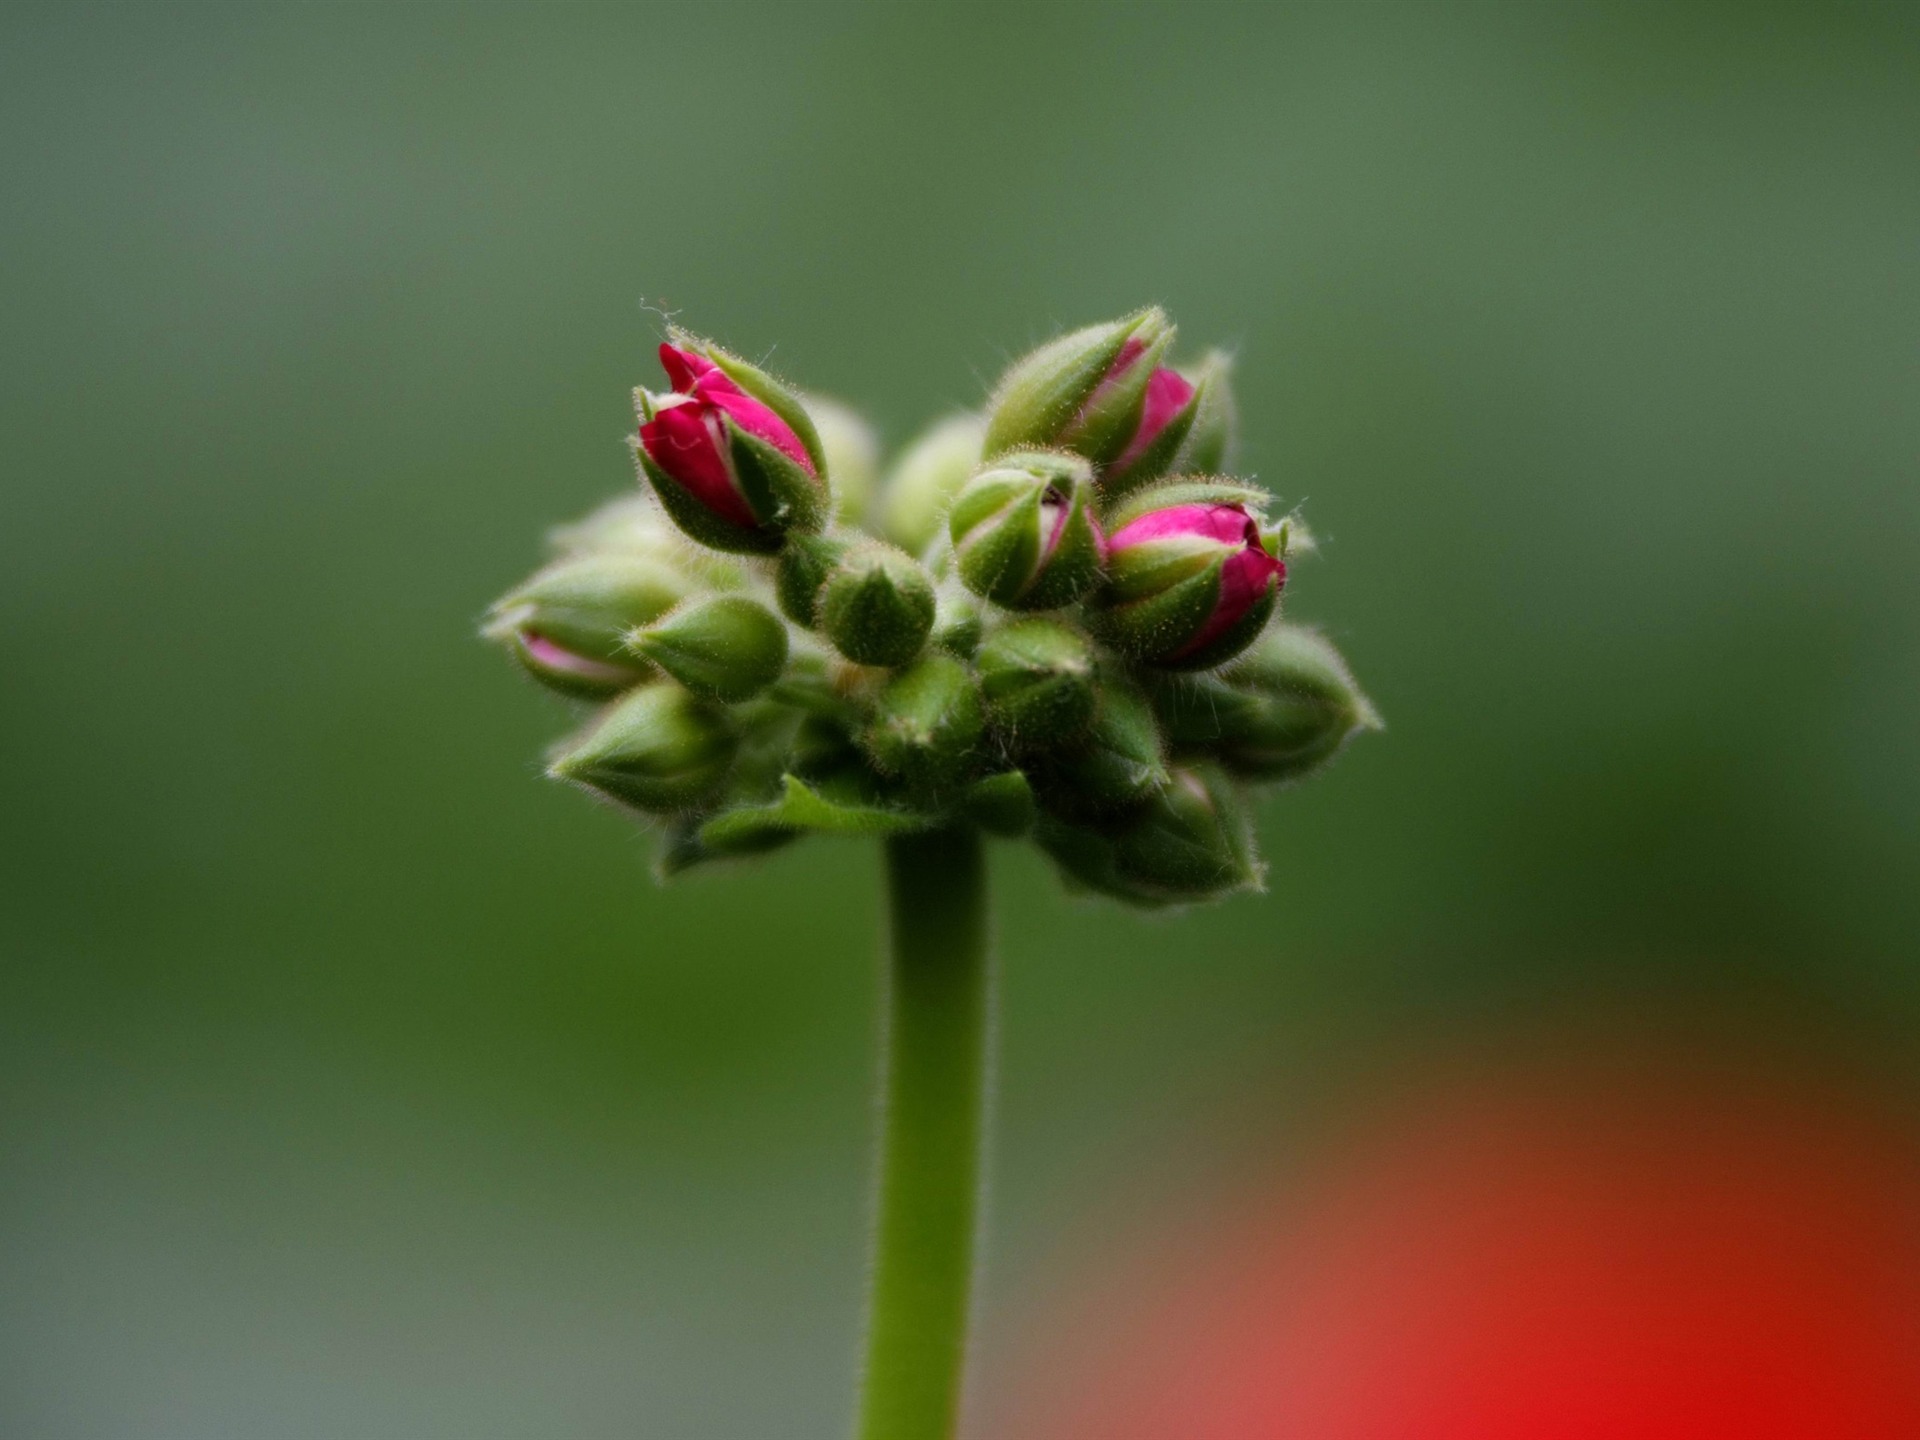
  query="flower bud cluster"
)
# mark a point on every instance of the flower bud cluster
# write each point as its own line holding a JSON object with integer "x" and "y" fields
{"x": 1055, "y": 618}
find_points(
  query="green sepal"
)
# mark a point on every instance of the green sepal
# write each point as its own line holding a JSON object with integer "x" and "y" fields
{"x": 1300, "y": 706}
{"x": 1037, "y": 680}
{"x": 923, "y": 481}
{"x": 927, "y": 723}
{"x": 584, "y": 604}
{"x": 698, "y": 522}
{"x": 778, "y": 397}
{"x": 728, "y": 647}
{"x": 1112, "y": 415}
{"x": 877, "y": 605}
{"x": 999, "y": 527}
{"x": 1190, "y": 843}
{"x": 777, "y": 488}
{"x": 846, "y": 804}
{"x": 1042, "y": 392}
{"x": 1000, "y": 804}
{"x": 1163, "y": 621}
{"x": 1199, "y": 711}
{"x": 804, "y": 565}
{"x": 1157, "y": 460}
{"x": 660, "y": 750}
{"x": 1119, "y": 764}
{"x": 1230, "y": 641}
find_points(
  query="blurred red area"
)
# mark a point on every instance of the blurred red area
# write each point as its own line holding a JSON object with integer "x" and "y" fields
{"x": 1557, "y": 1258}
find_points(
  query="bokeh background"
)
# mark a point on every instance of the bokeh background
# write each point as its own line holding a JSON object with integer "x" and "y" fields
{"x": 355, "y": 1082}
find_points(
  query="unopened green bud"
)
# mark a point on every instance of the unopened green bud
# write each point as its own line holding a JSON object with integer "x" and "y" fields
{"x": 1302, "y": 705}
{"x": 1119, "y": 764}
{"x": 661, "y": 749}
{"x": 1190, "y": 842}
{"x": 1024, "y": 533}
{"x": 926, "y": 723}
{"x": 728, "y": 647}
{"x": 1037, "y": 679}
{"x": 956, "y": 620}
{"x": 924, "y": 480}
{"x": 567, "y": 624}
{"x": 1084, "y": 391}
{"x": 877, "y": 605}
{"x": 852, "y": 453}
{"x": 802, "y": 573}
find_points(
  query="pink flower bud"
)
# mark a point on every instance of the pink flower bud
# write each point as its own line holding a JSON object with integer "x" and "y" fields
{"x": 1168, "y": 395}
{"x": 1190, "y": 583}
{"x": 687, "y": 436}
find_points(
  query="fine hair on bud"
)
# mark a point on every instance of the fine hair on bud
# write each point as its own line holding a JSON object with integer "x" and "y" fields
{"x": 877, "y": 605}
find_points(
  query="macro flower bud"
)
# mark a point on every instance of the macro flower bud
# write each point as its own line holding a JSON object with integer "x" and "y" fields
{"x": 805, "y": 562}
{"x": 852, "y": 457}
{"x": 566, "y": 625}
{"x": 1119, "y": 764}
{"x": 728, "y": 647}
{"x": 1186, "y": 424}
{"x": 924, "y": 480}
{"x": 877, "y": 605}
{"x": 1190, "y": 842}
{"x": 660, "y": 749}
{"x": 1037, "y": 679}
{"x": 1083, "y": 392}
{"x": 1303, "y": 706}
{"x": 1189, "y": 582}
{"x": 926, "y": 723}
{"x": 732, "y": 453}
{"x": 1024, "y": 533}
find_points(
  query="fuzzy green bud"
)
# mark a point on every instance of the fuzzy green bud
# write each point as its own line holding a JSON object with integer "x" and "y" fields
{"x": 661, "y": 749}
{"x": 1302, "y": 706}
{"x": 924, "y": 480}
{"x": 1037, "y": 679}
{"x": 1024, "y": 533}
{"x": 1191, "y": 842}
{"x": 877, "y": 605}
{"x": 1084, "y": 391}
{"x": 1119, "y": 764}
{"x": 801, "y": 574}
{"x": 927, "y": 724}
{"x": 728, "y": 647}
{"x": 567, "y": 625}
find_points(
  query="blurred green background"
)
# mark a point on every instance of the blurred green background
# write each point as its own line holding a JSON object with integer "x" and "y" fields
{"x": 355, "y": 1082}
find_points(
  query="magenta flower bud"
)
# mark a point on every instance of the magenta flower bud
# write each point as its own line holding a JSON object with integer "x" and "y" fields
{"x": 1189, "y": 582}
{"x": 730, "y": 467}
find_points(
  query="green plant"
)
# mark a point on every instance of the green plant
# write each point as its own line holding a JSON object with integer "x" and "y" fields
{"x": 1056, "y": 619}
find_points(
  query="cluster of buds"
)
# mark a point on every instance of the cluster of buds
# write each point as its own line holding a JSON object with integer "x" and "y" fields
{"x": 1056, "y": 618}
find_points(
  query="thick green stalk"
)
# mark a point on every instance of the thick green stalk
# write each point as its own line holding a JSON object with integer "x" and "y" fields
{"x": 938, "y": 1010}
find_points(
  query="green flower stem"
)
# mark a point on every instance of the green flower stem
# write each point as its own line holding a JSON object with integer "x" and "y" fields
{"x": 939, "y": 1016}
